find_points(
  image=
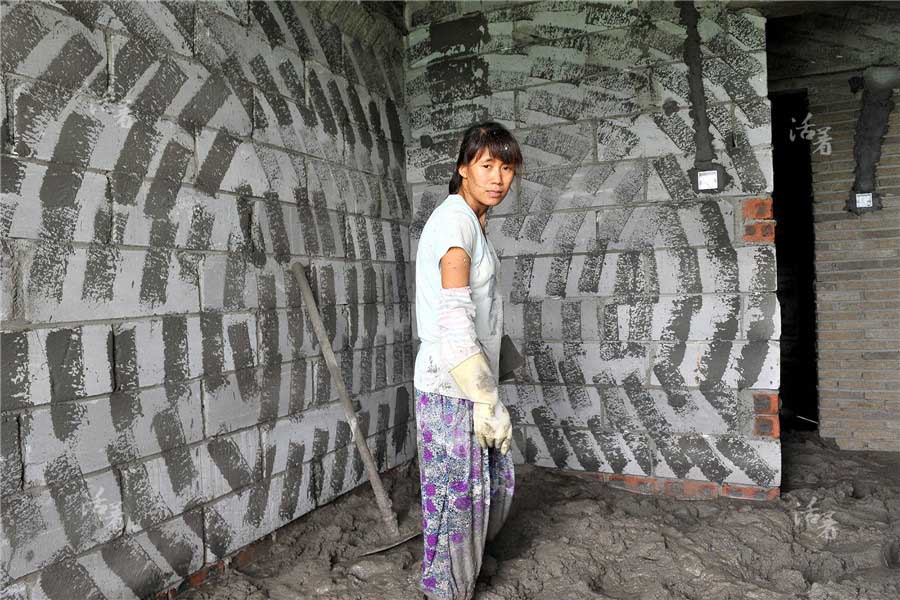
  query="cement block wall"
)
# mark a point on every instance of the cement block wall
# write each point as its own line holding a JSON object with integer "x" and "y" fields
{"x": 646, "y": 310}
{"x": 857, "y": 256}
{"x": 164, "y": 164}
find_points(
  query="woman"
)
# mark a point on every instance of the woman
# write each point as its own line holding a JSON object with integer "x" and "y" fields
{"x": 464, "y": 430}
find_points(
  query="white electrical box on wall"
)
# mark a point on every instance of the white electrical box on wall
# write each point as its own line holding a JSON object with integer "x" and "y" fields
{"x": 864, "y": 200}
{"x": 707, "y": 180}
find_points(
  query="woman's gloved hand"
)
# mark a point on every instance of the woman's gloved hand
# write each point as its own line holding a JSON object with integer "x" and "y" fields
{"x": 492, "y": 426}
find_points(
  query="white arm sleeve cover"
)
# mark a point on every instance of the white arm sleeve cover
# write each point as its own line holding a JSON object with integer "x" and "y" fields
{"x": 456, "y": 323}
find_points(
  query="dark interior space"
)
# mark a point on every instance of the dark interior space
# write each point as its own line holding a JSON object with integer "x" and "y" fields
{"x": 794, "y": 243}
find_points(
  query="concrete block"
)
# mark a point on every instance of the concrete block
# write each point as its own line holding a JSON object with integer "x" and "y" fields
{"x": 249, "y": 396}
{"x": 377, "y": 67}
{"x": 745, "y": 269}
{"x": 575, "y": 449}
{"x": 109, "y": 430}
{"x": 232, "y": 462}
{"x": 126, "y": 568}
{"x": 73, "y": 52}
{"x": 15, "y": 591}
{"x": 192, "y": 219}
{"x": 544, "y": 232}
{"x": 570, "y": 406}
{"x": 757, "y": 462}
{"x": 762, "y": 317}
{"x": 70, "y": 518}
{"x": 422, "y": 12}
{"x": 746, "y": 29}
{"x": 552, "y": 319}
{"x": 239, "y": 341}
{"x": 430, "y": 120}
{"x": 144, "y": 563}
{"x": 611, "y": 93}
{"x": 432, "y": 159}
{"x": 558, "y": 145}
{"x": 473, "y": 31}
{"x": 669, "y": 87}
{"x": 738, "y": 365}
{"x": 231, "y": 403}
{"x": 155, "y": 351}
{"x": 368, "y": 325}
{"x": 323, "y": 430}
{"x": 165, "y": 485}
{"x": 38, "y": 209}
{"x": 653, "y": 134}
{"x": 527, "y": 278}
{"x": 616, "y": 48}
{"x": 710, "y": 223}
{"x": 11, "y": 465}
{"x": 243, "y": 517}
{"x": 737, "y": 75}
{"x": 550, "y": 20}
{"x": 230, "y": 164}
{"x": 574, "y": 363}
{"x": 277, "y": 285}
{"x": 283, "y": 335}
{"x": 584, "y": 186}
{"x": 100, "y": 134}
{"x": 288, "y": 122}
{"x": 229, "y": 282}
{"x": 100, "y": 280}
{"x": 286, "y": 25}
{"x": 222, "y": 43}
{"x": 21, "y": 385}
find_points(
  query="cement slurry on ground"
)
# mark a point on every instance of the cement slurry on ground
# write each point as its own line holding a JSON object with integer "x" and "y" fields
{"x": 833, "y": 535}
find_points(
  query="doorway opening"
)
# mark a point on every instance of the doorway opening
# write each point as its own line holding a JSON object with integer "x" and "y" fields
{"x": 795, "y": 252}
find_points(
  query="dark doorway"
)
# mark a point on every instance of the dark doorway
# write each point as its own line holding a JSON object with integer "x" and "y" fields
{"x": 795, "y": 251}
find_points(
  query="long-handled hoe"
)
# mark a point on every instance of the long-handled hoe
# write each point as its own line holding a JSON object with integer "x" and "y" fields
{"x": 384, "y": 503}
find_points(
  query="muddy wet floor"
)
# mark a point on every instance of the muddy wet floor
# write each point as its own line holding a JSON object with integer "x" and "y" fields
{"x": 833, "y": 535}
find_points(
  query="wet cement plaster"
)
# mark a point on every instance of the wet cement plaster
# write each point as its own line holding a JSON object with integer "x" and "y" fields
{"x": 703, "y": 160}
{"x": 833, "y": 535}
{"x": 871, "y": 127}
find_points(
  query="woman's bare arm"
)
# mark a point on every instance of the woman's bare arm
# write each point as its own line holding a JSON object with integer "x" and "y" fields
{"x": 455, "y": 268}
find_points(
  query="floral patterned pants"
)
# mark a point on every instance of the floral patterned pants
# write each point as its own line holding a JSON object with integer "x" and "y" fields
{"x": 466, "y": 495}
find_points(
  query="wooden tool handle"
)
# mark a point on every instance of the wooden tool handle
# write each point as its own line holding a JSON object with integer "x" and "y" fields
{"x": 381, "y": 497}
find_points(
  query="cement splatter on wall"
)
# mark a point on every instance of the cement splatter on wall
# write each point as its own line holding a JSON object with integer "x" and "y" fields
{"x": 646, "y": 310}
{"x": 164, "y": 164}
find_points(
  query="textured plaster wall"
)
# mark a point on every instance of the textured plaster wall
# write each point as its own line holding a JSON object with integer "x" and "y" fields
{"x": 646, "y": 311}
{"x": 857, "y": 258}
{"x": 164, "y": 401}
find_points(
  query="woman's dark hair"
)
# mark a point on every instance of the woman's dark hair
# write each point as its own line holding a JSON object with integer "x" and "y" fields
{"x": 493, "y": 136}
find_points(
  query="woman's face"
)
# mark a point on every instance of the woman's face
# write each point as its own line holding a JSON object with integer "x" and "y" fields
{"x": 486, "y": 179}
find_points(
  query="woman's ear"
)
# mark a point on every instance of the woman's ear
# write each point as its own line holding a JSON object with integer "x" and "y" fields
{"x": 462, "y": 170}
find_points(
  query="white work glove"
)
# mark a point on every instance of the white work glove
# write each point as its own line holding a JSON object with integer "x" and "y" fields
{"x": 493, "y": 428}
{"x": 469, "y": 368}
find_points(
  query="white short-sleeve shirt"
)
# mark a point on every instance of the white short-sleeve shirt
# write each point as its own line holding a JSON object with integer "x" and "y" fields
{"x": 454, "y": 223}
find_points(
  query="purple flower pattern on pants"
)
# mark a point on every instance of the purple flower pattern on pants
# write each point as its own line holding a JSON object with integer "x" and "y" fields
{"x": 466, "y": 495}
